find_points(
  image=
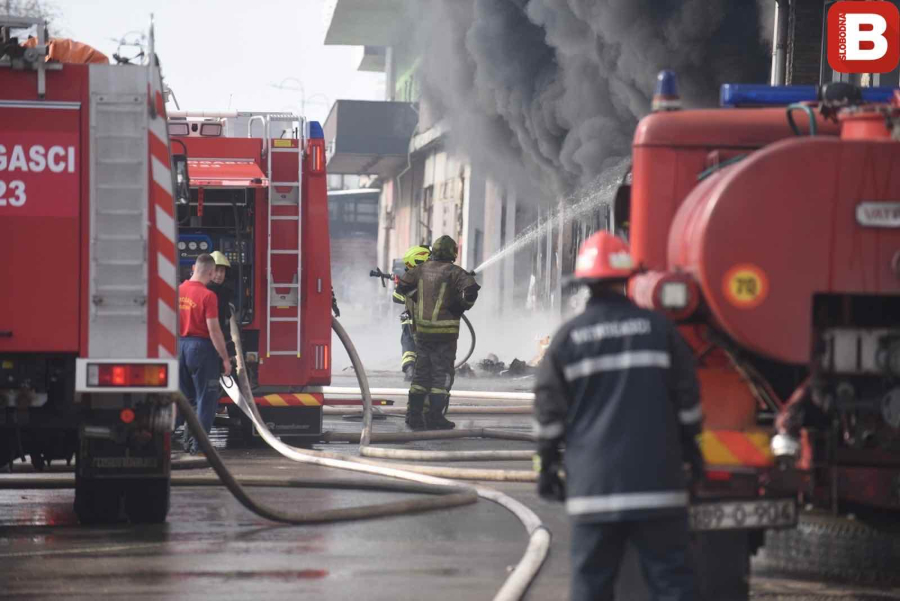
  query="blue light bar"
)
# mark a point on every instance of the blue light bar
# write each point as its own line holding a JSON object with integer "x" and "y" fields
{"x": 739, "y": 94}
{"x": 315, "y": 131}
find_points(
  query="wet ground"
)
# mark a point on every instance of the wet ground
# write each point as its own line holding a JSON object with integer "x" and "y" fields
{"x": 213, "y": 548}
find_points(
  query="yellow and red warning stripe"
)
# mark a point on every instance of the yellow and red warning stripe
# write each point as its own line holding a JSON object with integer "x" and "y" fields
{"x": 731, "y": 447}
{"x": 285, "y": 400}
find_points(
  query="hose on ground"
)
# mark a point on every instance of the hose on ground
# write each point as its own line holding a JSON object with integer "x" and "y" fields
{"x": 445, "y": 499}
{"x": 471, "y": 344}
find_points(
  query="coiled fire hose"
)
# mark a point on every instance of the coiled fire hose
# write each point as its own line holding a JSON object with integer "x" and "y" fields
{"x": 539, "y": 537}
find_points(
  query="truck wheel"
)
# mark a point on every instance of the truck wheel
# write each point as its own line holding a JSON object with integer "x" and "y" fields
{"x": 97, "y": 501}
{"x": 147, "y": 500}
{"x": 834, "y": 548}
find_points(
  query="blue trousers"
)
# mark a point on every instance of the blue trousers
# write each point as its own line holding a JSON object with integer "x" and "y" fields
{"x": 662, "y": 546}
{"x": 198, "y": 374}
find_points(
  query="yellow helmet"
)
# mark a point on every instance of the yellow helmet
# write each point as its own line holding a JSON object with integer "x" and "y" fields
{"x": 416, "y": 255}
{"x": 220, "y": 259}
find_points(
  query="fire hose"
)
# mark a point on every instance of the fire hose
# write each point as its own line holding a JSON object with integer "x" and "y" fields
{"x": 539, "y": 537}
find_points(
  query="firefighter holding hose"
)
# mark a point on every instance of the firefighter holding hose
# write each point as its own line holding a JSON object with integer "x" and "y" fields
{"x": 440, "y": 292}
{"x": 415, "y": 256}
{"x": 618, "y": 388}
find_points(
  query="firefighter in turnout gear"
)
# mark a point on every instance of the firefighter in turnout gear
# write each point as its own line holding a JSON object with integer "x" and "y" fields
{"x": 618, "y": 388}
{"x": 416, "y": 255}
{"x": 439, "y": 292}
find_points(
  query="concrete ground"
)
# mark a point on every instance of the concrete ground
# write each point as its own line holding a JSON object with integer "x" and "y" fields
{"x": 211, "y": 547}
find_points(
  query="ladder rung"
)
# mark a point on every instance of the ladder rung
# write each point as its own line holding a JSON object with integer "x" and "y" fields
{"x": 294, "y": 150}
{"x": 119, "y": 162}
{"x": 121, "y": 262}
{"x": 118, "y": 238}
{"x": 285, "y": 218}
{"x": 271, "y": 353}
{"x": 117, "y": 212}
{"x": 285, "y": 184}
{"x": 276, "y": 285}
{"x": 283, "y": 319}
{"x": 120, "y": 288}
{"x": 122, "y": 313}
{"x": 120, "y": 186}
{"x": 285, "y": 252}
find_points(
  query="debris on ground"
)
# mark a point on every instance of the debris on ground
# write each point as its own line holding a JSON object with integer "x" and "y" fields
{"x": 491, "y": 365}
{"x": 465, "y": 371}
{"x": 518, "y": 368}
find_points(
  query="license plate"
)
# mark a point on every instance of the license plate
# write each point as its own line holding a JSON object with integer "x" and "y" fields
{"x": 743, "y": 515}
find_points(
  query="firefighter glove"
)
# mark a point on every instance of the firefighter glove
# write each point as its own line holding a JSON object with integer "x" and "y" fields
{"x": 550, "y": 484}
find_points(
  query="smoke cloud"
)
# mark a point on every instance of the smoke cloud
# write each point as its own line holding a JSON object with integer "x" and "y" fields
{"x": 547, "y": 93}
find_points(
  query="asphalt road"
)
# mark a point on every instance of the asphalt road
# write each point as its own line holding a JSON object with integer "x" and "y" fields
{"x": 213, "y": 548}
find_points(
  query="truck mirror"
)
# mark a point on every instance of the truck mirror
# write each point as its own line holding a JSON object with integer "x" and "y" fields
{"x": 182, "y": 179}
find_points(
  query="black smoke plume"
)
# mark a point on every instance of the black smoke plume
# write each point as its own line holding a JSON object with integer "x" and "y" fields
{"x": 547, "y": 93}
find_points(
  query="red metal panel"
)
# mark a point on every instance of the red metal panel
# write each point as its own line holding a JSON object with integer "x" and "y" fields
{"x": 40, "y": 210}
{"x": 317, "y": 275}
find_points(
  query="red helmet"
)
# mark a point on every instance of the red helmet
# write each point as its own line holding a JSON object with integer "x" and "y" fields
{"x": 603, "y": 257}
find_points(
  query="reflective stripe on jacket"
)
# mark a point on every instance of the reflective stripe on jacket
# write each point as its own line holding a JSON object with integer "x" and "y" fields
{"x": 439, "y": 299}
{"x": 618, "y": 385}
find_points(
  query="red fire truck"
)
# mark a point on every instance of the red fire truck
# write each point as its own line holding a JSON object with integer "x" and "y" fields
{"x": 258, "y": 194}
{"x": 87, "y": 235}
{"x": 769, "y": 231}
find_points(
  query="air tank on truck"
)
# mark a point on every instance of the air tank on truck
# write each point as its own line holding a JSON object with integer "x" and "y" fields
{"x": 768, "y": 229}
{"x": 87, "y": 231}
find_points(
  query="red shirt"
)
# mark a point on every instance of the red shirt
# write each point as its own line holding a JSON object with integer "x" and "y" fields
{"x": 196, "y": 304}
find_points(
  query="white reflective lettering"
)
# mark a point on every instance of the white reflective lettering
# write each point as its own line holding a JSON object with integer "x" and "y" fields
{"x": 38, "y": 161}
{"x": 56, "y": 151}
{"x": 17, "y": 159}
{"x": 71, "y": 159}
{"x": 2, "y": 192}
{"x": 18, "y": 187}
{"x": 611, "y": 329}
{"x": 875, "y": 35}
{"x": 2, "y": 157}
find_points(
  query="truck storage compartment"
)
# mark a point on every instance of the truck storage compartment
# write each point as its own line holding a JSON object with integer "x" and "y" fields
{"x": 40, "y": 209}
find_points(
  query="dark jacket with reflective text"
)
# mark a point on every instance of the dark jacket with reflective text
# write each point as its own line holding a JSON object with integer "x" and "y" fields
{"x": 618, "y": 386}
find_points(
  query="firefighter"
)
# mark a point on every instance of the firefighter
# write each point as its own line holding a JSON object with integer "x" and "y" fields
{"x": 443, "y": 291}
{"x": 416, "y": 255}
{"x": 201, "y": 346}
{"x": 618, "y": 388}
{"x": 224, "y": 293}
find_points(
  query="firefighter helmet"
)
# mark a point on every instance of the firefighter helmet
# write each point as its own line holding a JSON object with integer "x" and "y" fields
{"x": 444, "y": 249}
{"x": 416, "y": 255}
{"x": 220, "y": 259}
{"x": 603, "y": 257}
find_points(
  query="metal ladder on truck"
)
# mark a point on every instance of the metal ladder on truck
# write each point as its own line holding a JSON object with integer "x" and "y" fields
{"x": 292, "y": 198}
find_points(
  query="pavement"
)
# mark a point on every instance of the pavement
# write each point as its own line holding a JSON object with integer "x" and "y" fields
{"x": 213, "y": 548}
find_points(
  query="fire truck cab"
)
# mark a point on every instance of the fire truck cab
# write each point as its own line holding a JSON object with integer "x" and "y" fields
{"x": 258, "y": 194}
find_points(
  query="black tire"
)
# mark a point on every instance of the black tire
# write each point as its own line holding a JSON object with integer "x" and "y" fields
{"x": 826, "y": 547}
{"x": 147, "y": 500}
{"x": 97, "y": 501}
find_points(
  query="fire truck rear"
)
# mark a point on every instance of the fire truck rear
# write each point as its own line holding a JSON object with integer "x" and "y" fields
{"x": 88, "y": 322}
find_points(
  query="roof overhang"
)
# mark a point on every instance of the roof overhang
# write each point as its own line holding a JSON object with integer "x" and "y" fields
{"x": 364, "y": 22}
{"x": 369, "y": 137}
{"x": 221, "y": 173}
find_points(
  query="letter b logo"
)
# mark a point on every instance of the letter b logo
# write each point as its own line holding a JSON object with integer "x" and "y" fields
{"x": 863, "y": 37}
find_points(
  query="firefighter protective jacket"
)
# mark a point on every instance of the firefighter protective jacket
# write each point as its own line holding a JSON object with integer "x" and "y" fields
{"x": 440, "y": 292}
{"x": 618, "y": 385}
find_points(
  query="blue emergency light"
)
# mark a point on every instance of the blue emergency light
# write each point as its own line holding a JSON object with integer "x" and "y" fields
{"x": 666, "y": 97}
{"x": 315, "y": 131}
{"x": 750, "y": 95}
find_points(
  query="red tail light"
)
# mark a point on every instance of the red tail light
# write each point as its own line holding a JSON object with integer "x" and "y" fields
{"x": 718, "y": 475}
{"x": 125, "y": 375}
{"x": 317, "y": 156}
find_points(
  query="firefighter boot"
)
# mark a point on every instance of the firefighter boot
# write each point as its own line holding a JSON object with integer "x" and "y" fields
{"x": 414, "y": 407}
{"x": 434, "y": 418}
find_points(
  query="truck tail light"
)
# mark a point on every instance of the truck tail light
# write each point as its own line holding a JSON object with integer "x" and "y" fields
{"x": 317, "y": 156}
{"x": 119, "y": 375}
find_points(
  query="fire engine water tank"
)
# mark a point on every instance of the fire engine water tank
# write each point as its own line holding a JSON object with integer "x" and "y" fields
{"x": 803, "y": 216}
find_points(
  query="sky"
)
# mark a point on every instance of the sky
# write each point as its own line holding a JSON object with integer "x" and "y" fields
{"x": 219, "y": 54}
